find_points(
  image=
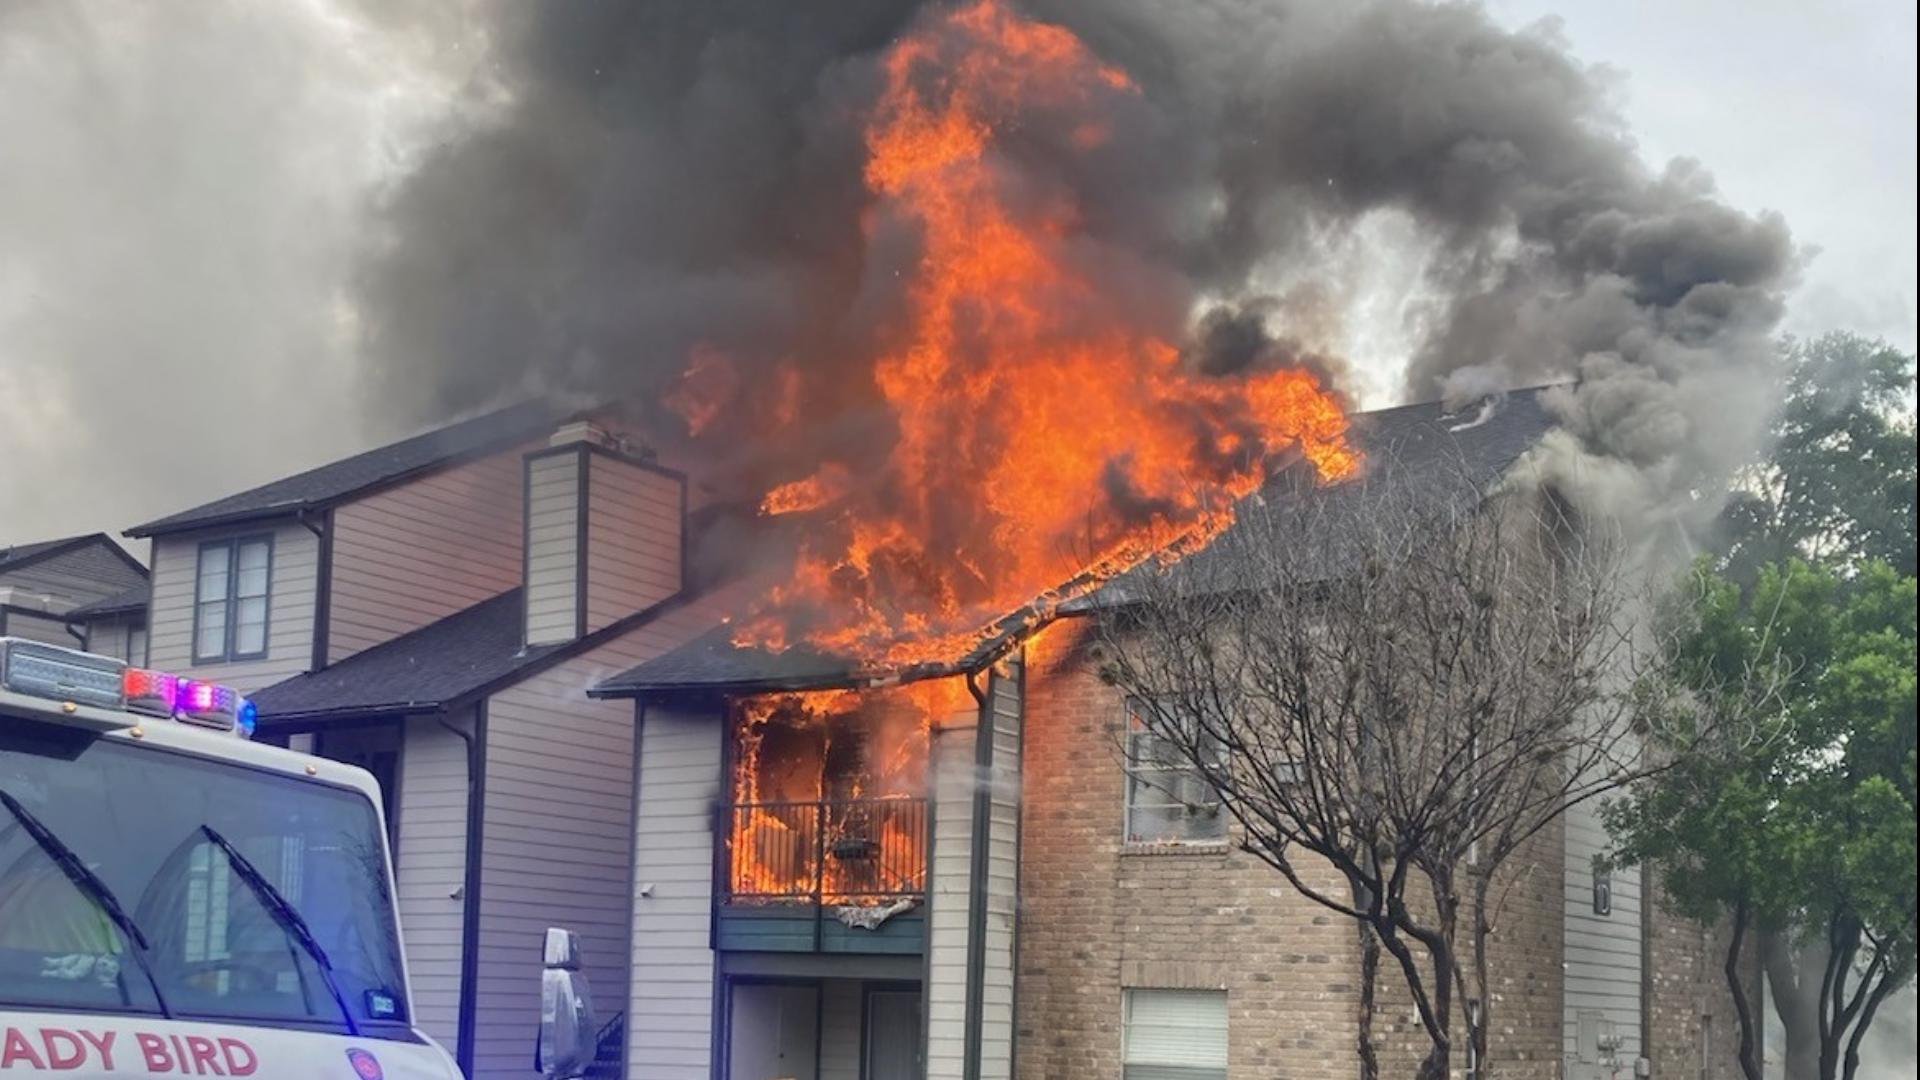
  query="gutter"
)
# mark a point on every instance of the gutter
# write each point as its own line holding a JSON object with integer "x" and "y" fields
{"x": 465, "y": 1025}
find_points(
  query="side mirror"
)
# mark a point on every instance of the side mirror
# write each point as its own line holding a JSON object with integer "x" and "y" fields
{"x": 567, "y": 1032}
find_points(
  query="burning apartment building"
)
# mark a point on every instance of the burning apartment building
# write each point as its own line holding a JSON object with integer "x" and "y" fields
{"x": 875, "y": 343}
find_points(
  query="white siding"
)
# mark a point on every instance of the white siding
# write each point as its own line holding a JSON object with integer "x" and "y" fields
{"x": 633, "y": 539}
{"x": 416, "y": 553}
{"x": 553, "y": 546}
{"x": 949, "y": 896}
{"x": 1003, "y": 861}
{"x": 670, "y": 1013}
{"x": 289, "y": 605}
{"x": 1603, "y": 953}
{"x": 431, "y": 864}
{"x": 33, "y": 626}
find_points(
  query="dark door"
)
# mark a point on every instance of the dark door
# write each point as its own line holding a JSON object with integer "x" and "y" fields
{"x": 893, "y": 1035}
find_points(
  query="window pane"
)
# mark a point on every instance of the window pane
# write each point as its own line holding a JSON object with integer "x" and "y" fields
{"x": 250, "y": 626}
{"x": 1176, "y": 1034}
{"x": 213, "y": 573}
{"x": 212, "y": 638}
{"x": 253, "y": 569}
{"x": 136, "y": 646}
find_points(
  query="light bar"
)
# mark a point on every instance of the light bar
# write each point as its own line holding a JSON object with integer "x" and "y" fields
{"x": 72, "y": 677}
{"x": 49, "y": 671}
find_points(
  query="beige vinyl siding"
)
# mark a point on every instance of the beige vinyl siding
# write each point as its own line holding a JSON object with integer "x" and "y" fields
{"x": 949, "y": 896}
{"x": 553, "y": 546}
{"x": 75, "y": 577}
{"x": 290, "y": 593}
{"x": 670, "y": 1010}
{"x": 558, "y": 836}
{"x": 430, "y": 859}
{"x": 633, "y": 539}
{"x": 1003, "y": 861}
{"x": 416, "y": 553}
{"x": 34, "y": 626}
{"x": 108, "y": 637}
{"x": 1603, "y": 955}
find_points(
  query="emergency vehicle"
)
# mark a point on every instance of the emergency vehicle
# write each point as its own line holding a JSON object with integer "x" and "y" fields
{"x": 178, "y": 900}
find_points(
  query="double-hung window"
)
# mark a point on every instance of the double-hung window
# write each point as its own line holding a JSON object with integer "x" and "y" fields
{"x": 1175, "y": 1035}
{"x": 1169, "y": 799}
{"x": 230, "y": 599}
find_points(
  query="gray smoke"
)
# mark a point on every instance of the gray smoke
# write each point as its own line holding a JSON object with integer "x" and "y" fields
{"x": 669, "y": 175}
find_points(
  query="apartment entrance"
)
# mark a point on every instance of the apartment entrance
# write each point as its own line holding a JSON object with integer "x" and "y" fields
{"x": 822, "y": 1029}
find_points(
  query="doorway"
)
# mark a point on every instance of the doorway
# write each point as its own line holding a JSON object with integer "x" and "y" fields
{"x": 893, "y": 1042}
{"x": 773, "y": 1031}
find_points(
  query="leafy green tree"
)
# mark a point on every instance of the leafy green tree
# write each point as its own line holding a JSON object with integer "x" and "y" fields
{"x": 1839, "y": 480}
{"x": 1804, "y": 837}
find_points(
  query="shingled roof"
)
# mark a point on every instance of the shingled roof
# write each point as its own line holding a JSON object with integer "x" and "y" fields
{"x": 124, "y": 602}
{"x": 16, "y": 556}
{"x": 1477, "y": 444}
{"x": 362, "y": 473}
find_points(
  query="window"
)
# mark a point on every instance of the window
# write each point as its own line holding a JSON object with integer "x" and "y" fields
{"x": 230, "y": 600}
{"x": 137, "y": 646}
{"x": 1602, "y": 891}
{"x": 1168, "y": 799}
{"x": 1175, "y": 1035}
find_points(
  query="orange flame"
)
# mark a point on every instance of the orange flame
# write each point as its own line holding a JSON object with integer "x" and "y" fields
{"x": 1042, "y": 437}
{"x": 812, "y": 816}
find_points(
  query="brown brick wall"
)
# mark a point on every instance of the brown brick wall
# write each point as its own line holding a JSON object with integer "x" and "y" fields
{"x": 1096, "y": 916}
{"x": 1686, "y": 983}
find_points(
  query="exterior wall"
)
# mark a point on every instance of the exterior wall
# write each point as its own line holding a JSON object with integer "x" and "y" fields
{"x": 37, "y": 626}
{"x": 949, "y": 894}
{"x": 290, "y": 605}
{"x": 76, "y": 577}
{"x": 555, "y": 844}
{"x": 414, "y": 554}
{"x": 670, "y": 1011}
{"x": 1693, "y": 1032}
{"x": 1603, "y": 952}
{"x": 553, "y": 545}
{"x": 120, "y": 636}
{"x": 1002, "y": 877}
{"x": 430, "y": 860}
{"x": 633, "y": 538}
{"x": 1098, "y": 915}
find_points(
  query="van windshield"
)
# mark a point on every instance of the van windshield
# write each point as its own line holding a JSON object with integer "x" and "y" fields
{"x": 137, "y": 816}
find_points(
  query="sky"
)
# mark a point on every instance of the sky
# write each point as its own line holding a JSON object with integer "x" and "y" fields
{"x": 185, "y": 195}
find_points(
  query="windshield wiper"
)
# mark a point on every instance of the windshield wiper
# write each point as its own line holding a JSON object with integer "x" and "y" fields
{"x": 89, "y": 883}
{"x": 289, "y": 919}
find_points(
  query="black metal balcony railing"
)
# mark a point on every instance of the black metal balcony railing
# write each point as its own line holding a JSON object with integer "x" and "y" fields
{"x": 861, "y": 851}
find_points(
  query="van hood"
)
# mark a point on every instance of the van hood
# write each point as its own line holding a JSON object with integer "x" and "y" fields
{"x": 82, "y": 1046}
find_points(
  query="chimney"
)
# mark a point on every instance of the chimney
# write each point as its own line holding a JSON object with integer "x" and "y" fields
{"x": 603, "y": 533}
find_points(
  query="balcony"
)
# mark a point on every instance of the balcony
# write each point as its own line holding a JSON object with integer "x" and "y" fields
{"x": 811, "y": 876}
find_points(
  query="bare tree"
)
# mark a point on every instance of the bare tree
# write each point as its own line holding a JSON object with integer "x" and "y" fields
{"x": 1404, "y": 677}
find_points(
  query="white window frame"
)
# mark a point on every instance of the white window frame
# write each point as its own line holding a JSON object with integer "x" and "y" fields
{"x": 1137, "y": 1064}
{"x": 1137, "y": 773}
{"x": 228, "y": 603}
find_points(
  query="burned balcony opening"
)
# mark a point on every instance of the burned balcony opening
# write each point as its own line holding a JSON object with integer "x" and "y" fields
{"x": 829, "y": 801}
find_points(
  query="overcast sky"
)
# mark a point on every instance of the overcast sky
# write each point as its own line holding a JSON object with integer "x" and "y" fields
{"x": 183, "y": 194}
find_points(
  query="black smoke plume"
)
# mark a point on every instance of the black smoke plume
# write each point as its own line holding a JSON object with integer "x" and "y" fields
{"x": 665, "y": 177}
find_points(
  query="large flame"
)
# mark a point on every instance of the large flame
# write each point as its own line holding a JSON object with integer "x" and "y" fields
{"x": 813, "y": 819}
{"x": 1040, "y": 432}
